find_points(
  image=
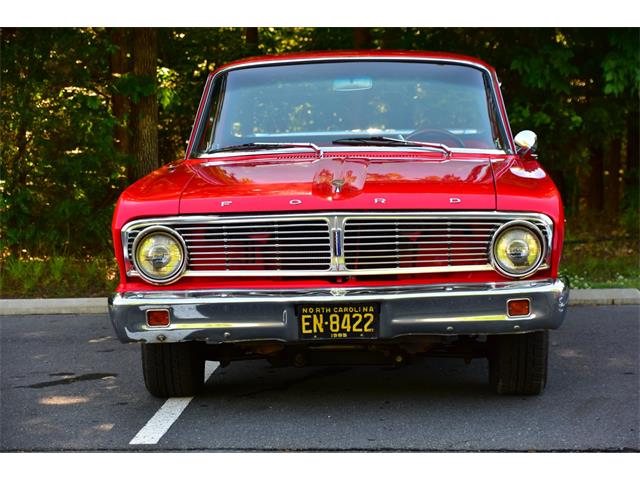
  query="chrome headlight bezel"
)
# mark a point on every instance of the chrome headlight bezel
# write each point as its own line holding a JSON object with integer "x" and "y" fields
{"x": 155, "y": 280}
{"x": 525, "y": 225}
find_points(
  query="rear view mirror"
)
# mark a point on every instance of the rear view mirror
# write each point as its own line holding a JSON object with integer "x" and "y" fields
{"x": 526, "y": 142}
{"x": 350, "y": 84}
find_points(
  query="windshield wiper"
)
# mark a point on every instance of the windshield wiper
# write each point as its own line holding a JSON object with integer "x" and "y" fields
{"x": 392, "y": 142}
{"x": 267, "y": 146}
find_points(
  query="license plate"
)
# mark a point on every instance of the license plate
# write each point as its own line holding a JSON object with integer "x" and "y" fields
{"x": 359, "y": 320}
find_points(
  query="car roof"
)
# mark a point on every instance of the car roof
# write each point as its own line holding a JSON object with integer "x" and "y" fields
{"x": 355, "y": 54}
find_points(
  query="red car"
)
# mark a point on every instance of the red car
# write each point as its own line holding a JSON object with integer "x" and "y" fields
{"x": 367, "y": 207}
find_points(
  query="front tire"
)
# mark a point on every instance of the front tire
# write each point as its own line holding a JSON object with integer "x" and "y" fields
{"x": 173, "y": 369}
{"x": 518, "y": 363}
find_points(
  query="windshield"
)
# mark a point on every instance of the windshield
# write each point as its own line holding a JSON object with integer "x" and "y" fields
{"x": 327, "y": 102}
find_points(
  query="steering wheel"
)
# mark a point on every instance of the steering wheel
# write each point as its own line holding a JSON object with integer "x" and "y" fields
{"x": 433, "y": 135}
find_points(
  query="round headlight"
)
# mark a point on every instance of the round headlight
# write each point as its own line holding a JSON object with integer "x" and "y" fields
{"x": 517, "y": 249}
{"x": 159, "y": 255}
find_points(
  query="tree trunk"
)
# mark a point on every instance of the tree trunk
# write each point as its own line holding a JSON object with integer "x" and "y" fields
{"x": 632, "y": 165}
{"x": 595, "y": 199}
{"x": 145, "y": 111}
{"x": 361, "y": 37}
{"x": 633, "y": 139}
{"x": 251, "y": 39}
{"x": 120, "y": 65}
{"x": 613, "y": 179}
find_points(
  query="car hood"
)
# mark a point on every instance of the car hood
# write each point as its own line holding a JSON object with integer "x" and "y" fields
{"x": 364, "y": 181}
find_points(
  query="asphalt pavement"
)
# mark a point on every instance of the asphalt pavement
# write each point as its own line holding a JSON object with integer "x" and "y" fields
{"x": 66, "y": 384}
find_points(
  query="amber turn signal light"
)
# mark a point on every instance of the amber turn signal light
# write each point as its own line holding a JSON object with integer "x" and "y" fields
{"x": 519, "y": 308}
{"x": 158, "y": 318}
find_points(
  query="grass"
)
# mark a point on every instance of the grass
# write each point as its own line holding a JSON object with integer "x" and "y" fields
{"x": 601, "y": 272}
{"x": 596, "y": 255}
{"x": 57, "y": 277}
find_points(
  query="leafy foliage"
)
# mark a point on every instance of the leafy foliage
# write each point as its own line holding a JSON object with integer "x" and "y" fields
{"x": 60, "y": 171}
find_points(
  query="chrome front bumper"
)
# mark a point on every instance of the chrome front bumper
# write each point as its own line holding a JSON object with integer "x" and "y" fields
{"x": 219, "y": 316}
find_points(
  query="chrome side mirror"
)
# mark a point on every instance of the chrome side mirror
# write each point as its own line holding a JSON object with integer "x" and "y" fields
{"x": 526, "y": 142}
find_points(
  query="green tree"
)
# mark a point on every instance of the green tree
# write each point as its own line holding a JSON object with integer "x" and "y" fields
{"x": 85, "y": 111}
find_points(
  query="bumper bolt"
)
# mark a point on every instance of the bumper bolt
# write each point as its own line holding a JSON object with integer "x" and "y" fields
{"x": 161, "y": 338}
{"x": 299, "y": 360}
{"x": 449, "y": 329}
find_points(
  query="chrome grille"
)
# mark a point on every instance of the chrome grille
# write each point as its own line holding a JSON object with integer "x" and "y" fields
{"x": 416, "y": 242}
{"x": 337, "y": 244}
{"x": 249, "y": 246}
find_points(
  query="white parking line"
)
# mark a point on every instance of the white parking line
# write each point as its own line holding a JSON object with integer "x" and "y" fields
{"x": 166, "y": 416}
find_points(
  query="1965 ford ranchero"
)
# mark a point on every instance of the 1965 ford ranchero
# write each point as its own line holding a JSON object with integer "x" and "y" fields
{"x": 351, "y": 207}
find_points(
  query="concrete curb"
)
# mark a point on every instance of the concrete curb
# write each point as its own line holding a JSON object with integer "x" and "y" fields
{"x": 605, "y": 296}
{"x": 84, "y": 306}
{"x": 53, "y": 306}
